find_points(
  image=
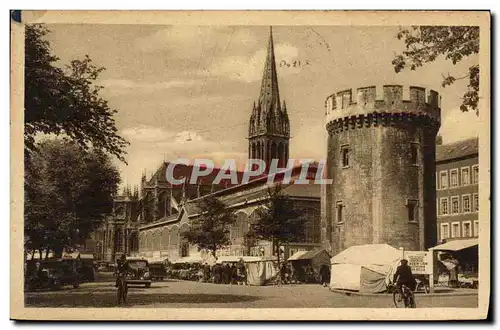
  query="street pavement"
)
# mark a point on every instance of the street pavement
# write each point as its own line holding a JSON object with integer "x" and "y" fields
{"x": 185, "y": 294}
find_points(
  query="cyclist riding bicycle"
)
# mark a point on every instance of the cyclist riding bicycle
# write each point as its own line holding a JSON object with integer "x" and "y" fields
{"x": 121, "y": 268}
{"x": 404, "y": 276}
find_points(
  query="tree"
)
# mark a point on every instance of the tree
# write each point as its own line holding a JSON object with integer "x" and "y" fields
{"x": 65, "y": 102}
{"x": 279, "y": 221}
{"x": 68, "y": 193}
{"x": 424, "y": 44}
{"x": 210, "y": 231}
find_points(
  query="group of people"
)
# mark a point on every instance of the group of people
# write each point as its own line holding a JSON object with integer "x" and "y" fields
{"x": 302, "y": 273}
{"x": 225, "y": 273}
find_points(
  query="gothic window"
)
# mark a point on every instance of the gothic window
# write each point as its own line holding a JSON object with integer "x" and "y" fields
{"x": 184, "y": 249}
{"x": 120, "y": 211}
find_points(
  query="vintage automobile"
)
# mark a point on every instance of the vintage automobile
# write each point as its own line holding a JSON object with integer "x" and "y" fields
{"x": 158, "y": 270}
{"x": 138, "y": 272}
{"x": 51, "y": 274}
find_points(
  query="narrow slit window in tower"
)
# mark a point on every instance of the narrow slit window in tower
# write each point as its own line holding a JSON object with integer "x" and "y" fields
{"x": 344, "y": 151}
{"x": 340, "y": 212}
{"x": 414, "y": 154}
{"x": 412, "y": 204}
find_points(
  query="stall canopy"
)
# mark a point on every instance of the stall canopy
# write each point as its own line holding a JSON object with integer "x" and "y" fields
{"x": 223, "y": 259}
{"x": 364, "y": 268}
{"x": 317, "y": 258}
{"x": 456, "y": 245}
{"x": 261, "y": 270}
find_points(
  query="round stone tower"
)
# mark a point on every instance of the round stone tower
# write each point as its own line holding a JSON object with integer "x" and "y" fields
{"x": 381, "y": 159}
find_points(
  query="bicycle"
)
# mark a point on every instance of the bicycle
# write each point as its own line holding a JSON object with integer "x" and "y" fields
{"x": 122, "y": 289}
{"x": 405, "y": 295}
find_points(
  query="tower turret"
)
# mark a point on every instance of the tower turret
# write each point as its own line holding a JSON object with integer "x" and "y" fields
{"x": 381, "y": 159}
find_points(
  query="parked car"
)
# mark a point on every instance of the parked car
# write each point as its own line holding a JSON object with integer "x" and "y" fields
{"x": 138, "y": 273}
{"x": 51, "y": 274}
{"x": 158, "y": 270}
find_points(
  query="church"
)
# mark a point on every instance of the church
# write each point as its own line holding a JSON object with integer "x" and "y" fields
{"x": 150, "y": 222}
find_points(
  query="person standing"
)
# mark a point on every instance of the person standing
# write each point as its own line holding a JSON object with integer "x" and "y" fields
{"x": 325, "y": 275}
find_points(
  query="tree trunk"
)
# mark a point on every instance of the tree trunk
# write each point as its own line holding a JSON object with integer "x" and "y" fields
{"x": 58, "y": 252}
{"x": 47, "y": 254}
{"x": 40, "y": 253}
{"x": 33, "y": 254}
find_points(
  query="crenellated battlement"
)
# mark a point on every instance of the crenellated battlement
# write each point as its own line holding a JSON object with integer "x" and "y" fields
{"x": 383, "y": 99}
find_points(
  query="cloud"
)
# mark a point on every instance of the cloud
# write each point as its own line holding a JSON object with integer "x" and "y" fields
{"x": 120, "y": 86}
{"x": 191, "y": 41}
{"x": 457, "y": 125}
{"x": 249, "y": 69}
{"x": 146, "y": 134}
{"x": 151, "y": 145}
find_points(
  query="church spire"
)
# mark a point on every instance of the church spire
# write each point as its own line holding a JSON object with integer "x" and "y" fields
{"x": 269, "y": 92}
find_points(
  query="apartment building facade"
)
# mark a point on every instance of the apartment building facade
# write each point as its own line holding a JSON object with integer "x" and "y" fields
{"x": 457, "y": 184}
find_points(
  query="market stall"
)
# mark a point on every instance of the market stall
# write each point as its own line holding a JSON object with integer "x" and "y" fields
{"x": 458, "y": 263}
{"x": 364, "y": 268}
{"x": 261, "y": 270}
{"x": 307, "y": 264}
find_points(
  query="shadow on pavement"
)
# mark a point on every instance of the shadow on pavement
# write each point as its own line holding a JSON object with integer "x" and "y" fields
{"x": 97, "y": 301}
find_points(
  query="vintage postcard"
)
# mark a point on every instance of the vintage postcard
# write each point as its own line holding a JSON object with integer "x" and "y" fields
{"x": 258, "y": 165}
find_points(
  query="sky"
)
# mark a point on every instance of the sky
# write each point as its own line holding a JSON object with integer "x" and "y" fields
{"x": 188, "y": 91}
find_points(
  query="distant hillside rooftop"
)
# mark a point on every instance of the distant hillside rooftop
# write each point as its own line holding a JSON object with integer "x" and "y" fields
{"x": 457, "y": 149}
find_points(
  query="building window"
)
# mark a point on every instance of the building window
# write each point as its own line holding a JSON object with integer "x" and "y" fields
{"x": 476, "y": 228}
{"x": 466, "y": 204}
{"x": 454, "y": 178}
{"x": 444, "y": 206}
{"x": 476, "y": 202}
{"x": 465, "y": 176}
{"x": 475, "y": 174}
{"x": 344, "y": 152}
{"x": 414, "y": 154}
{"x": 412, "y": 204}
{"x": 455, "y": 229}
{"x": 466, "y": 229}
{"x": 445, "y": 231}
{"x": 340, "y": 212}
{"x": 184, "y": 249}
{"x": 455, "y": 205}
{"x": 443, "y": 178}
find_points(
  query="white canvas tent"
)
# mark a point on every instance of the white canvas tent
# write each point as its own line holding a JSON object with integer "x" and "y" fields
{"x": 262, "y": 270}
{"x": 364, "y": 268}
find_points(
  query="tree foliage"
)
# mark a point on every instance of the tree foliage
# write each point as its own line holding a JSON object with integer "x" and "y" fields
{"x": 424, "y": 44}
{"x": 210, "y": 231}
{"x": 280, "y": 221}
{"x": 65, "y": 102}
{"x": 68, "y": 193}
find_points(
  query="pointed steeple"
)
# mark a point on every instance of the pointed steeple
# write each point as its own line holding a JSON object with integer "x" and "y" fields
{"x": 269, "y": 132}
{"x": 269, "y": 91}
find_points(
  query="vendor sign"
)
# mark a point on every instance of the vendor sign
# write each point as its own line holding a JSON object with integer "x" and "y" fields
{"x": 419, "y": 261}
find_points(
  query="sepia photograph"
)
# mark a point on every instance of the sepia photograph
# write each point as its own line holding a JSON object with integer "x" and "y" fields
{"x": 258, "y": 165}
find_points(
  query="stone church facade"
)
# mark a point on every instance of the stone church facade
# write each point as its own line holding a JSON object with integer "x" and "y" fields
{"x": 268, "y": 139}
